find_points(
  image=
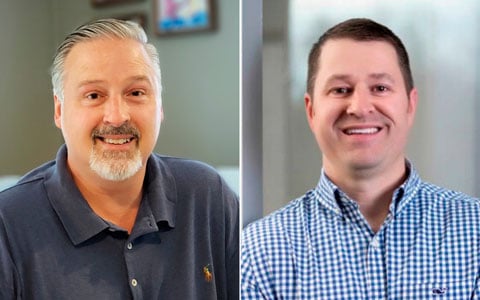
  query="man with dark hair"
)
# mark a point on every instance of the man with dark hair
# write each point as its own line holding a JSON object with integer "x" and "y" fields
{"x": 109, "y": 219}
{"x": 371, "y": 229}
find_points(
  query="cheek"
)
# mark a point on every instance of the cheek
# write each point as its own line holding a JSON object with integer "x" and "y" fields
{"x": 79, "y": 123}
{"x": 394, "y": 110}
{"x": 149, "y": 124}
{"x": 327, "y": 116}
{"x": 323, "y": 126}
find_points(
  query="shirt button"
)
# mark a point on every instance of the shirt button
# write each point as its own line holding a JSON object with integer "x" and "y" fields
{"x": 134, "y": 282}
{"x": 129, "y": 246}
{"x": 375, "y": 243}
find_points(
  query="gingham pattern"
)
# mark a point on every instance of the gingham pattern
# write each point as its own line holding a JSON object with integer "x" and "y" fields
{"x": 320, "y": 247}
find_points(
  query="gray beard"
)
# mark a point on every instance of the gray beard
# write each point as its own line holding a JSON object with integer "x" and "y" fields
{"x": 115, "y": 165}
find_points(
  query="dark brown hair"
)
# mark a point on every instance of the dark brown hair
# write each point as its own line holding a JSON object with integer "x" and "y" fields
{"x": 359, "y": 30}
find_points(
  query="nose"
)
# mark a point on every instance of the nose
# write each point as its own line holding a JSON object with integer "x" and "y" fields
{"x": 116, "y": 111}
{"x": 360, "y": 103}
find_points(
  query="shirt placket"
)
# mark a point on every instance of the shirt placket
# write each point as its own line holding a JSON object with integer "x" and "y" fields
{"x": 360, "y": 233}
{"x": 133, "y": 281}
{"x": 375, "y": 271}
{"x": 132, "y": 253}
{"x": 375, "y": 267}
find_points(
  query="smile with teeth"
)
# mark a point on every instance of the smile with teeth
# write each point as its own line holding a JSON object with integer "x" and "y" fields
{"x": 117, "y": 141}
{"x": 371, "y": 130}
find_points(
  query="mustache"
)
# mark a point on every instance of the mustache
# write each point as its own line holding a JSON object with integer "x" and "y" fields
{"x": 124, "y": 129}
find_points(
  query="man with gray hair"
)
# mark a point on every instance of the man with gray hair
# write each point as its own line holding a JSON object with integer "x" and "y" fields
{"x": 109, "y": 219}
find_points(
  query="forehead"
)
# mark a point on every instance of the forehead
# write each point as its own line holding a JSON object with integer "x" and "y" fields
{"x": 350, "y": 57}
{"x": 102, "y": 55}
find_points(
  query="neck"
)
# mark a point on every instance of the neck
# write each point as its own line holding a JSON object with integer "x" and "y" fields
{"x": 371, "y": 189}
{"x": 114, "y": 201}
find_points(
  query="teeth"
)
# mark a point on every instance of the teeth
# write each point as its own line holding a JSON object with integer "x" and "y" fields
{"x": 362, "y": 130}
{"x": 116, "y": 141}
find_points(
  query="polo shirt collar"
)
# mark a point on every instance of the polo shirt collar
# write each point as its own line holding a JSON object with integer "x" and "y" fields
{"x": 327, "y": 193}
{"x": 80, "y": 221}
{"x": 160, "y": 191}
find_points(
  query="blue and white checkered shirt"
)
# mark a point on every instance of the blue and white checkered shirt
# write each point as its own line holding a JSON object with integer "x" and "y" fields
{"x": 321, "y": 247}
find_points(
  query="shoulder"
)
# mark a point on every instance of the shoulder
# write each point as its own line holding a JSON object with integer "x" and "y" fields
{"x": 187, "y": 169}
{"x": 27, "y": 189}
{"x": 194, "y": 180}
{"x": 446, "y": 197}
{"x": 282, "y": 224}
{"x": 270, "y": 244}
{"x": 449, "y": 205}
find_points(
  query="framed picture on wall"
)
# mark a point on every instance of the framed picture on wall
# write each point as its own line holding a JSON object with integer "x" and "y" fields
{"x": 184, "y": 16}
{"x": 139, "y": 18}
{"x": 110, "y": 2}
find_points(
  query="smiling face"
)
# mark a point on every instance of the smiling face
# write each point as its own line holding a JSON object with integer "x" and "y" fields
{"x": 360, "y": 112}
{"x": 111, "y": 112}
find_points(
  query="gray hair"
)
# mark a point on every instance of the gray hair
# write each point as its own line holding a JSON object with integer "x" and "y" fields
{"x": 98, "y": 29}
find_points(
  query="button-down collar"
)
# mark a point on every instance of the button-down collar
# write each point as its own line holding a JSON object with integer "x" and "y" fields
{"x": 329, "y": 194}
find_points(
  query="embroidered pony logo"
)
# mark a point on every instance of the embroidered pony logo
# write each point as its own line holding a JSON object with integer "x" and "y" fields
{"x": 207, "y": 274}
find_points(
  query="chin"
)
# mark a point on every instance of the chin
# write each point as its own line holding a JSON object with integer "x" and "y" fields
{"x": 363, "y": 164}
{"x": 116, "y": 166}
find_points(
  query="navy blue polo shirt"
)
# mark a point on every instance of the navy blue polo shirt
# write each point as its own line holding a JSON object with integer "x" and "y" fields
{"x": 184, "y": 244}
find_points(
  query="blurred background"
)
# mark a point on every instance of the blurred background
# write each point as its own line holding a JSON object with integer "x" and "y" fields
{"x": 443, "y": 44}
{"x": 200, "y": 77}
{"x": 280, "y": 158}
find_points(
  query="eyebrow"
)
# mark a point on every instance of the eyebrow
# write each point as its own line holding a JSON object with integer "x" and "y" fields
{"x": 345, "y": 77}
{"x": 131, "y": 79}
{"x": 87, "y": 82}
{"x": 385, "y": 76}
{"x": 339, "y": 77}
{"x": 140, "y": 78}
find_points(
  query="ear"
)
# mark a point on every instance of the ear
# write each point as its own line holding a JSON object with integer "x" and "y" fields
{"x": 57, "y": 112}
{"x": 309, "y": 109}
{"x": 412, "y": 106}
{"x": 161, "y": 115}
